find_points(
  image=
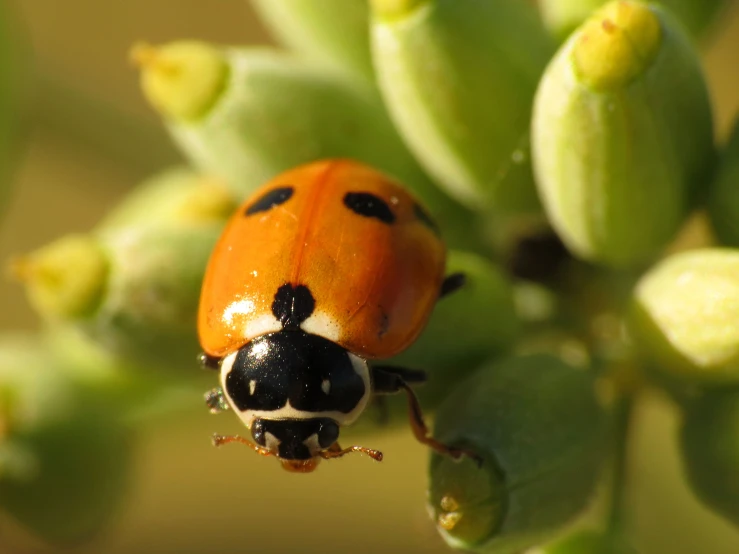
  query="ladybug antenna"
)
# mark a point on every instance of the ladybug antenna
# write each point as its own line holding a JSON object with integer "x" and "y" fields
{"x": 219, "y": 440}
{"x": 337, "y": 452}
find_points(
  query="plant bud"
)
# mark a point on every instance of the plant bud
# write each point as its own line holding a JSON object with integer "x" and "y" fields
{"x": 622, "y": 124}
{"x": 145, "y": 302}
{"x": 684, "y": 313}
{"x": 709, "y": 440}
{"x": 149, "y": 311}
{"x": 331, "y": 31}
{"x": 132, "y": 285}
{"x": 458, "y": 79}
{"x": 183, "y": 79}
{"x": 64, "y": 457}
{"x": 541, "y": 433}
{"x": 723, "y": 203}
{"x": 276, "y": 112}
{"x": 472, "y": 325}
{"x": 65, "y": 279}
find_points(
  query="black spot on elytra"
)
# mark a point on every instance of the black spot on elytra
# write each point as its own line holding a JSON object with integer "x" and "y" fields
{"x": 368, "y": 205}
{"x": 384, "y": 325}
{"x": 270, "y": 199}
{"x": 424, "y": 217}
{"x": 293, "y": 305}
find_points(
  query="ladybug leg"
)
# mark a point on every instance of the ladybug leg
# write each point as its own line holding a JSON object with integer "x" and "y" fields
{"x": 219, "y": 440}
{"x": 215, "y": 400}
{"x": 452, "y": 283}
{"x": 391, "y": 381}
{"x": 335, "y": 451}
{"x": 209, "y": 362}
{"x": 385, "y": 378}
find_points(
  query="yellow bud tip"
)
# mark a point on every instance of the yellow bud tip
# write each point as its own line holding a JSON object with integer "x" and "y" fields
{"x": 449, "y": 504}
{"x": 394, "y": 9}
{"x": 449, "y": 515}
{"x": 18, "y": 269}
{"x": 209, "y": 201}
{"x": 449, "y": 520}
{"x": 65, "y": 278}
{"x": 617, "y": 44}
{"x": 145, "y": 56}
{"x": 181, "y": 80}
{"x": 466, "y": 501}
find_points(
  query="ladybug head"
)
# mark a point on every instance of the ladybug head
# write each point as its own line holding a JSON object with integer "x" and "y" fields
{"x": 294, "y": 390}
{"x": 296, "y": 442}
{"x": 301, "y": 443}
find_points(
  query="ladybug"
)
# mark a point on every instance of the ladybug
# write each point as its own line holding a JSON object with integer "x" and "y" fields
{"x": 323, "y": 268}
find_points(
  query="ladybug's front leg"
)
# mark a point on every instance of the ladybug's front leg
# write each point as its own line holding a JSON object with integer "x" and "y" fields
{"x": 388, "y": 380}
{"x": 209, "y": 362}
{"x": 452, "y": 283}
{"x": 386, "y": 376}
{"x": 382, "y": 387}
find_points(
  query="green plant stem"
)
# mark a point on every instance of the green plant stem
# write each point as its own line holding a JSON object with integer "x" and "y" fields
{"x": 623, "y": 416}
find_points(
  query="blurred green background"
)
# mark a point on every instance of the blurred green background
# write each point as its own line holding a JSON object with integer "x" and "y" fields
{"x": 89, "y": 138}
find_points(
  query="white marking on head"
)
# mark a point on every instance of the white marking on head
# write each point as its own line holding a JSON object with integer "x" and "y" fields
{"x": 226, "y": 365}
{"x": 321, "y": 324}
{"x": 326, "y": 386}
{"x": 271, "y": 442}
{"x": 252, "y": 386}
{"x": 312, "y": 444}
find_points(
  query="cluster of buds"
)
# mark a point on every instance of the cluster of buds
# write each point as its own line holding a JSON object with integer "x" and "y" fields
{"x": 579, "y": 139}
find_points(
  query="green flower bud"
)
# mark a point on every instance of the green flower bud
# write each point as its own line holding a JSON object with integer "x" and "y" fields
{"x": 588, "y": 542}
{"x": 331, "y": 31}
{"x": 470, "y": 326}
{"x": 181, "y": 79}
{"x": 64, "y": 458}
{"x": 723, "y": 203}
{"x": 458, "y": 79}
{"x": 145, "y": 303}
{"x": 710, "y": 449}
{"x": 148, "y": 315}
{"x": 132, "y": 285}
{"x": 65, "y": 279}
{"x": 277, "y": 112}
{"x": 540, "y": 431}
{"x": 684, "y": 313}
{"x": 175, "y": 196}
{"x": 622, "y": 123}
